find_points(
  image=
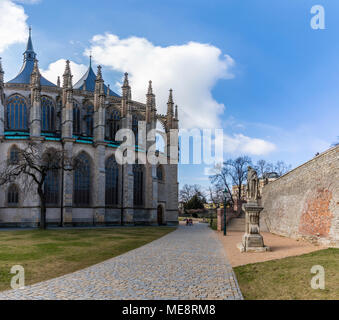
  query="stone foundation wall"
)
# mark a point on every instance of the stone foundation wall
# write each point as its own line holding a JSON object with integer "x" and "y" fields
{"x": 305, "y": 202}
{"x": 27, "y": 212}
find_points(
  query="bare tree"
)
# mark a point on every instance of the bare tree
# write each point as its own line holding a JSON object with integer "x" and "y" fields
{"x": 222, "y": 180}
{"x": 216, "y": 195}
{"x": 238, "y": 172}
{"x": 189, "y": 191}
{"x": 281, "y": 168}
{"x": 262, "y": 167}
{"x": 232, "y": 173}
{"x": 186, "y": 193}
{"x": 31, "y": 167}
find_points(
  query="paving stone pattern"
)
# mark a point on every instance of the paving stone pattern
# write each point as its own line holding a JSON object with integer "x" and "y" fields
{"x": 188, "y": 263}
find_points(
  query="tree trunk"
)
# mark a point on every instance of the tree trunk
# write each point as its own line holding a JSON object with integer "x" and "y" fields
{"x": 43, "y": 225}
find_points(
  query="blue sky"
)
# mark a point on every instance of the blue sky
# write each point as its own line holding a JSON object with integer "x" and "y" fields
{"x": 282, "y": 87}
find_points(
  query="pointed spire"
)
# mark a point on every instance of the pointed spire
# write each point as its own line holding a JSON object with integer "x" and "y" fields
{"x": 170, "y": 98}
{"x": 170, "y": 103}
{"x": 176, "y": 112}
{"x": 67, "y": 76}
{"x": 58, "y": 82}
{"x": 99, "y": 74}
{"x": 67, "y": 69}
{"x": 126, "y": 89}
{"x": 150, "y": 104}
{"x": 29, "y": 54}
{"x": 108, "y": 90}
{"x": 126, "y": 82}
{"x": 99, "y": 83}
{"x": 35, "y": 76}
{"x": 150, "y": 97}
{"x": 150, "y": 89}
{"x": 90, "y": 60}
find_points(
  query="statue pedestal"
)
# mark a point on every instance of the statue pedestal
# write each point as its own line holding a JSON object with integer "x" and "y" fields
{"x": 252, "y": 240}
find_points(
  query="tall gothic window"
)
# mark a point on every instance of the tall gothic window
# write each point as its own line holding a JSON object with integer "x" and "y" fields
{"x": 138, "y": 174}
{"x": 13, "y": 195}
{"x": 51, "y": 187}
{"x": 47, "y": 114}
{"x": 160, "y": 174}
{"x": 82, "y": 181}
{"x": 113, "y": 125}
{"x": 13, "y": 155}
{"x": 17, "y": 113}
{"x": 112, "y": 180}
{"x": 76, "y": 119}
{"x": 135, "y": 128}
{"x": 89, "y": 121}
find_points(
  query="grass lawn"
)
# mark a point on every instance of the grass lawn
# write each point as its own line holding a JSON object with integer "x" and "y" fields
{"x": 52, "y": 253}
{"x": 290, "y": 278}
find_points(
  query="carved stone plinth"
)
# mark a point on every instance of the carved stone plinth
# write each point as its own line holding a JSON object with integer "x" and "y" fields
{"x": 252, "y": 240}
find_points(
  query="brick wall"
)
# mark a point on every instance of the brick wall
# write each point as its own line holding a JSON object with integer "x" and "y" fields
{"x": 305, "y": 202}
{"x": 230, "y": 214}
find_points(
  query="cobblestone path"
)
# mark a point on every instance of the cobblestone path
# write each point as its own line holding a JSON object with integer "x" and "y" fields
{"x": 188, "y": 263}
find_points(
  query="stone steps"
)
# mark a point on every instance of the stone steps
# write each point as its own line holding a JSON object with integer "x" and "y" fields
{"x": 236, "y": 224}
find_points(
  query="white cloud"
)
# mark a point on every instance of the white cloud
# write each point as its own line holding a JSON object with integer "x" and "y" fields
{"x": 28, "y": 1}
{"x": 13, "y": 27}
{"x": 57, "y": 68}
{"x": 191, "y": 69}
{"x": 241, "y": 144}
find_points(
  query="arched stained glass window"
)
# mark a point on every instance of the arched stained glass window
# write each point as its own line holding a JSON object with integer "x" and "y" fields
{"x": 51, "y": 187}
{"x": 76, "y": 119}
{"x": 13, "y": 195}
{"x": 17, "y": 113}
{"x": 113, "y": 124}
{"x": 82, "y": 181}
{"x": 112, "y": 180}
{"x": 160, "y": 174}
{"x": 47, "y": 115}
{"x": 138, "y": 174}
{"x": 135, "y": 128}
{"x": 14, "y": 155}
{"x": 89, "y": 121}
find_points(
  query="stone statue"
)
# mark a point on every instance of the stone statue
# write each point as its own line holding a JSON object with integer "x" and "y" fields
{"x": 252, "y": 240}
{"x": 252, "y": 185}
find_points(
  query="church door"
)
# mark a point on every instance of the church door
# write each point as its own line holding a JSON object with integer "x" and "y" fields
{"x": 160, "y": 215}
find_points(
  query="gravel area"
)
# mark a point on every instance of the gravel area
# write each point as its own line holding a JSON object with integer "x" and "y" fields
{"x": 281, "y": 247}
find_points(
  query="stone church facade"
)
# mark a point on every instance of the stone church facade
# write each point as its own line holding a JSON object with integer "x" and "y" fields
{"x": 83, "y": 119}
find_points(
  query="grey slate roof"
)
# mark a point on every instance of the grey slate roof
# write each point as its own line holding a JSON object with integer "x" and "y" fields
{"x": 24, "y": 76}
{"x": 89, "y": 78}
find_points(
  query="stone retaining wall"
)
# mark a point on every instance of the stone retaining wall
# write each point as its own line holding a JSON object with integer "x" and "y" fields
{"x": 304, "y": 203}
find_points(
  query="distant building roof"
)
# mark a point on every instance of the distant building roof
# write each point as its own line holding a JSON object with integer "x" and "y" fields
{"x": 24, "y": 76}
{"x": 88, "y": 80}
